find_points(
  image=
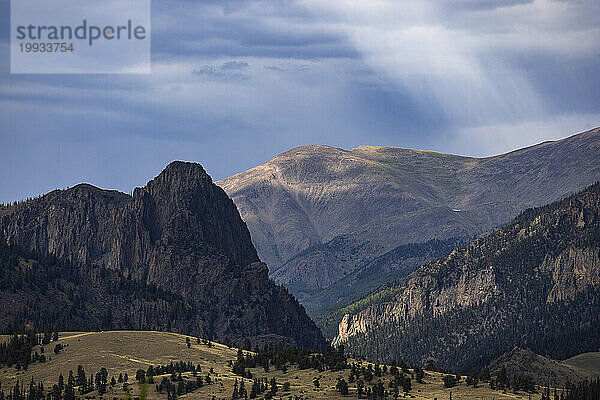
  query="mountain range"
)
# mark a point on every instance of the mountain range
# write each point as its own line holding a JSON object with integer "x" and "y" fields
{"x": 399, "y": 254}
{"x": 334, "y": 224}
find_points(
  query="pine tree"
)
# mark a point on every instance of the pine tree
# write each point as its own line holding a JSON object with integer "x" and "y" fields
{"x": 406, "y": 385}
{"x": 235, "y": 395}
{"x": 274, "y": 387}
{"x": 393, "y": 368}
{"x": 255, "y": 390}
{"x": 243, "y": 394}
{"x": 69, "y": 392}
{"x": 81, "y": 380}
{"x": 359, "y": 388}
{"x": 140, "y": 375}
{"x": 420, "y": 374}
{"x": 342, "y": 387}
{"x": 502, "y": 379}
{"x": 473, "y": 378}
{"x": 71, "y": 379}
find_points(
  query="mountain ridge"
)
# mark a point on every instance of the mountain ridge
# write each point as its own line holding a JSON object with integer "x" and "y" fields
{"x": 544, "y": 370}
{"x": 372, "y": 199}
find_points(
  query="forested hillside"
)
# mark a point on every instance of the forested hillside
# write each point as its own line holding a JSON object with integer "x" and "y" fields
{"x": 534, "y": 283}
{"x": 43, "y": 292}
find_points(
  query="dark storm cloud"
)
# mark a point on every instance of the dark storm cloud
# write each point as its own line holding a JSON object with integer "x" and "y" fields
{"x": 236, "y": 81}
{"x": 244, "y": 28}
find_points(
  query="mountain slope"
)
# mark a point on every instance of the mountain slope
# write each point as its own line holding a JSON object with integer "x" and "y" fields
{"x": 41, "y": 292}
{"x": 180, "y": 233}
{"x": 544, "y": 371}
{"x": 586, "y": 363}
{"x": 534, "y": 283}
{"x": 317, "y": 213}
{"x": 363, "y": 280}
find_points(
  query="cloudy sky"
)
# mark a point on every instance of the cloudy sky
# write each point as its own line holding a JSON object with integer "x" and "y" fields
{"x": 235, "y": 82}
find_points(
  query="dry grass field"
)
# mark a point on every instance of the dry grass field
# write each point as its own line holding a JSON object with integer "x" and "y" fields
{"x": 128, "y": 351}
{"x": 587, "y": 364}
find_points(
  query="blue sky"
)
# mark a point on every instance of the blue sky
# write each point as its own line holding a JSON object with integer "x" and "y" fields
{"x": 235, "y": 82}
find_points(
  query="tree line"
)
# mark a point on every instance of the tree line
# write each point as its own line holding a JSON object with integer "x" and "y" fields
{"x": 281, "y": 358}
{"x": 18, "y": 350}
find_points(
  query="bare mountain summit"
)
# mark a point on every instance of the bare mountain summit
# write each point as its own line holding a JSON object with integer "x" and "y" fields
{"x": 318, "y": 214}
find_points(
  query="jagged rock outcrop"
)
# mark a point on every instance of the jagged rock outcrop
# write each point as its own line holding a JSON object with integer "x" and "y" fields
{"x": 181, "y": 233}
{"x": 318, "y": 214}
{"x": 535, "y": 283}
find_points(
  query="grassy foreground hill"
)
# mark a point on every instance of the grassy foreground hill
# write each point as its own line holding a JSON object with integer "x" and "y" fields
{"x": 586, "y": 362}
{"x": 123, "y": 352}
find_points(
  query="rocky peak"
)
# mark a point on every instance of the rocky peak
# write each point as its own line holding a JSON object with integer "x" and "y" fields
{"x": 183, "y": 203}
{"x": 319, "y": 214}
{"x": 181, "y": 233}
{"x": 178, "y": 178}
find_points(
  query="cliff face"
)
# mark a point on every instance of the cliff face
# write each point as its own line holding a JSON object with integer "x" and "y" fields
{"x": 94, "y": 226}
{"x": 535, "y": 282}
{"x": 318, "y": 214}
{"x": 181, "y": 233}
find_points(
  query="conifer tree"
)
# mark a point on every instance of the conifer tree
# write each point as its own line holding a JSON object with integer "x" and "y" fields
{"x": 342, "y": 387}
{"x": 235, "y": 395}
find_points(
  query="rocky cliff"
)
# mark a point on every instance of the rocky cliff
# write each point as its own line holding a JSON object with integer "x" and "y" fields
{"x": 181, "y": 233}
{"x": 318, "y": 214}
{"x": 534, "y": 283}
